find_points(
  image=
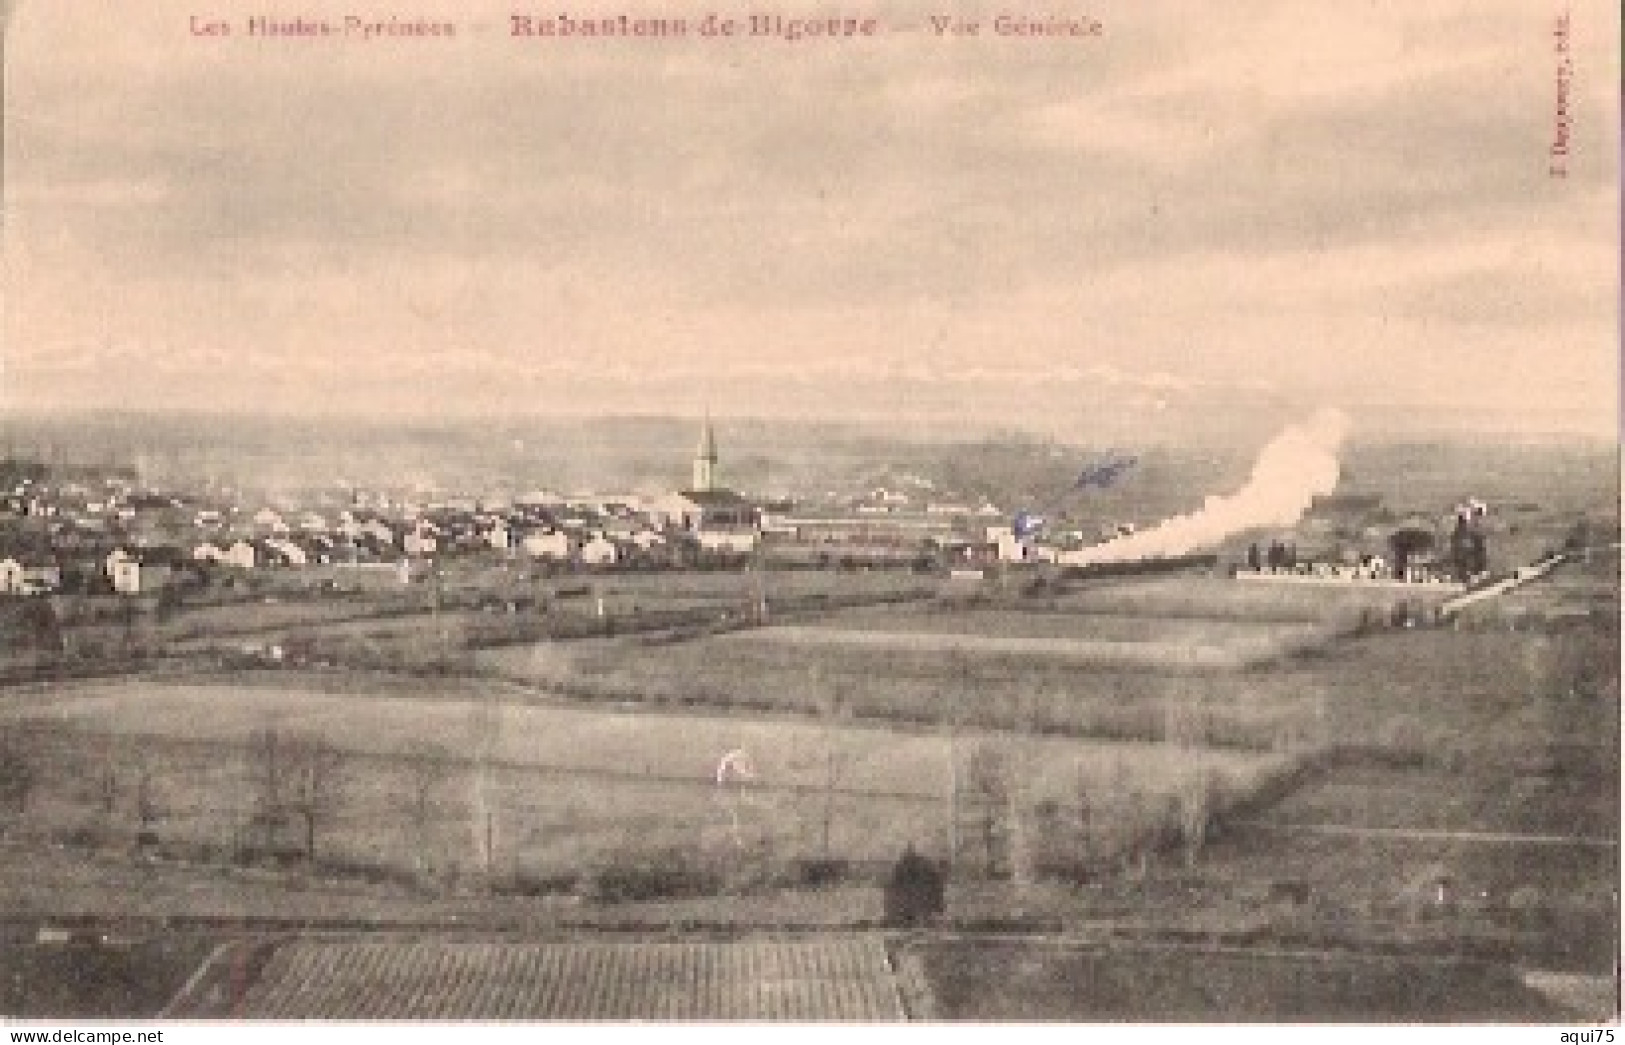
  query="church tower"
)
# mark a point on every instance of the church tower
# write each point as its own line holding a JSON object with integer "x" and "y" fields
{"x": 705, "y": 459}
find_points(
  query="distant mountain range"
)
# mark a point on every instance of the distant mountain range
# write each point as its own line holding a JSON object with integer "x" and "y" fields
{"x": 1015, "y": 469}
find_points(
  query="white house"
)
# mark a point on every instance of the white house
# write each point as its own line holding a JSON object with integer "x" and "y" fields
{"x": 268, "y": 519}
{"x": 1013, "y": 548}
{"x": 551, "y": 544}
{"x": 647, "y": 538}
{"x": 208, "y": 551}
{"x": 28, "y": 575}
{"x": 241, "y": 554}
{"x": 419, "y": 542}
{"x": 600, "y": 551}
{"x": 736, "y": 541}
{"x": 148, "y": 570}
{"x": 290, "y": 553}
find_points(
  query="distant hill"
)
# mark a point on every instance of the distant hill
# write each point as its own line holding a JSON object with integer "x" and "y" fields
{"x": 652, "y": 453}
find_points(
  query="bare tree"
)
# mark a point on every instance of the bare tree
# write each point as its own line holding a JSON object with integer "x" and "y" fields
{"x": 18, "y": 778}
{"x": 428, "y": 768}
{"x": 105, "y": 751}
{"x": 485, "y": 733}
{"x": 315, "y": 786}
{"x": 125, "y": 786}
{"x": 1137, "y": 824}
{"x": 988, "y": 798}
{"x": 834, "y": 708}
{"x": 266, "y": 756}
{"x": 1200, "y": 802}
{"x": 1085, "y": 817}
{"x": 147, "y": 805}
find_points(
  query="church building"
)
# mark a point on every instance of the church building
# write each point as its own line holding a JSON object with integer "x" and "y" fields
{"x": 717, "y": 515}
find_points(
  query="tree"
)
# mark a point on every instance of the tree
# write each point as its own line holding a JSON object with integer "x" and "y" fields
{"x": 833, "y": 705}
{"x": 1196, "y": 801}
{"x": 266, "y": 770}
{"x": 988, "y": 805}
{"x": 147, "y": 807}
{"x": 1138, "y": 834}
{"x": 315, "y": 770}
{"x": 18, "y": 778}
{"x": 428, "y": 767}
{"x": 916, "y": 890}
{"x": 1407, "y": 544}
{"x": 1085, "y": 827}
{"x": 485, "y": 732}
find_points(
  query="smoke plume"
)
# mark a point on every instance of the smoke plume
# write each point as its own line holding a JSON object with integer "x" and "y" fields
{"x": 1296, "y": 466}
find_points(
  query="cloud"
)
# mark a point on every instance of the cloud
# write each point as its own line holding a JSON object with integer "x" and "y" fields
{"x": 1193, "y": 203}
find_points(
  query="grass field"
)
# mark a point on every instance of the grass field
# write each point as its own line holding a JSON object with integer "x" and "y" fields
{"x": 1254, "y": 711}
{"x": 567, "y": 786}
{"x": 1186, "y": 596}
{"x": 1209, "y": 653}
{"x": 1010, "y": 981}
{"x": 1045, "y": 624}
{"x": 86, "y": 979}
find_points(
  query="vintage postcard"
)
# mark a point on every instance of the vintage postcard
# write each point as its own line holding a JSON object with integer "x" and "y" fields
{"x": 1059, "y": 511}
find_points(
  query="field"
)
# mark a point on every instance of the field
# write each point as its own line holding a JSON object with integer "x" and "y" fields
{"x": 1112, "y": 659}
{"x": 830, "y": 979}
{"x": 1039, "y": 623}
{"x": 1202, "y": 598}
{"x": 87, "y": 979}
{"x": 1238, "y": 649}
{"x": 562, "y": 787}
{"x": 1407, "y": 786}
{"x": 1009, "y": 981}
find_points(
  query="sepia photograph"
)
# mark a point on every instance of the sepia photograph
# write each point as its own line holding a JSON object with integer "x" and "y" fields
{"x": 880, "y": 512}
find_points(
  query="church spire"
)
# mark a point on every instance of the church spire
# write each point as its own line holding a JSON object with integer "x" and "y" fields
{"x": 705, "y": 458}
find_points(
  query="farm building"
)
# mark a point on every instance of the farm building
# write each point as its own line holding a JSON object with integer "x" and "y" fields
{"x": 600, "y": 551}
{"x": 26, "y": 574}
{"x": 146, "y": 570}
{"x": 554, "y": 545}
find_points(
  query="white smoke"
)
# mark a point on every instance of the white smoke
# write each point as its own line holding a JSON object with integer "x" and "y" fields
{"x": 1297, "y": 465}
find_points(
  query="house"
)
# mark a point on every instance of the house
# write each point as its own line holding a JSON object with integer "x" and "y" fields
{"x": 550, "y": 544}
{"x": 695, "y": 510}
{"x": 647, "y": 538}
{"x": 30, "y": 569}
{"x": 600, "y": 551}
{"x": 270, "y": 520}
{"x": 739, "y": 542}
{"x": 320, "y": 548}
{"x": 147, "y": 569}
{"x": 285, "y": 553}
{"x": 1013, "y": 548}
{"x": 242, "y": 554}
{"x": 208, "y": 551}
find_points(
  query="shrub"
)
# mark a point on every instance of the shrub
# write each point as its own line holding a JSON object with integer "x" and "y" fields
{"x": 816, "y": 873}
{"x": 667, "y": 874}
{"x": 915, "y": 892}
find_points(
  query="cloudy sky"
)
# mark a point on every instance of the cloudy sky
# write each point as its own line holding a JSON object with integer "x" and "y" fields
{"x": 1248, "y": 205}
